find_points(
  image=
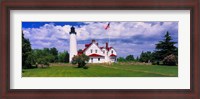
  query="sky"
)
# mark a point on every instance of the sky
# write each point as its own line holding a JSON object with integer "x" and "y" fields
{"x": 127, "y": 38}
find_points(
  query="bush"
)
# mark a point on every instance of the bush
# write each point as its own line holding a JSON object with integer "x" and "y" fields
{"x": 81, "y": 60}
{"x": 170, "y": 60}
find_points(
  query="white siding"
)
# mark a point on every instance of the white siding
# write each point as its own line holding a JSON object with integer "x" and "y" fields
{"x": 113, "y": 59}
{"x": 110, "y": 52}
{"x": 96, "y": 50}
{"x": 105, "y": 51}
{"x": 96, "y": 60}
{"x": 93, "y": 47}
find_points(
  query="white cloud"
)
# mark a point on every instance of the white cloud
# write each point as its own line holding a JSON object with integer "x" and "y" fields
{"x": 52, "y": 35}
{"x": 95, "y": 30}
{"x": 48, "y": 36}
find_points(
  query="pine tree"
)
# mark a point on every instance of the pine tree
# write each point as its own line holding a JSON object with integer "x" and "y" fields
{"x": 165, "y": 48}
{"x": 146, "y": 57}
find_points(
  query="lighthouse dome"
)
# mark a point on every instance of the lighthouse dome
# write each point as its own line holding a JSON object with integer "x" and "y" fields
{"x": 72, "y": 30}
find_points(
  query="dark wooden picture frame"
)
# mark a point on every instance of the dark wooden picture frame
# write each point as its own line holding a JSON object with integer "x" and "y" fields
{"x": 7, "y": 93}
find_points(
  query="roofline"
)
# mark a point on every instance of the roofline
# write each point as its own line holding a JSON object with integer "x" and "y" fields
{"x": 91, "y": 45}
{"x": 96, "y": 56}
{"x": 112, "y": 48}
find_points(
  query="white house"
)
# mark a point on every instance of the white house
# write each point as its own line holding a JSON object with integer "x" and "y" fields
{"x": 99, "y": 54}
{"x": 96, "y": 54}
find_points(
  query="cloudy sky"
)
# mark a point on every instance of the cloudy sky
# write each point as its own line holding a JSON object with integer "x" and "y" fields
{"x": 126, "y": 37}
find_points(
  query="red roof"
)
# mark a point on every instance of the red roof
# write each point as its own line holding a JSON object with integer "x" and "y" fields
{"x": 88, "y": 45}
{"x": 112, "y": 55}
{"x": 109, "y": 48}
{"x": 96, "y": 55}
{"x": 80, "y": 52}
{"x": 101, "y": 47}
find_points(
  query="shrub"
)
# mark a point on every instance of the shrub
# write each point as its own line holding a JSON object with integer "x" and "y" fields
{"x": 81, "y": 60}
{"x": 170, "y": 60}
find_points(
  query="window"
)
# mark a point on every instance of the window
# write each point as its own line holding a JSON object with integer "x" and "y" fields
{"x": 98, "y": 59}
{"x": 112, "y": 51}
{"x": 103, "y": 51}
{"x": 95, "y": 51}
{"x": 91, "y": 50}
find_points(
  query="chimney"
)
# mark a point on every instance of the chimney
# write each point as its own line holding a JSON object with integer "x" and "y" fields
{"x": 106, "y": 45}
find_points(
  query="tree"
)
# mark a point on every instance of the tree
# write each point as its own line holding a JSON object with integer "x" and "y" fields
{"x": 47, "y": 50}
{"x": 42, "y": 56}
{"x": 66, "y": 58}
{"x": 63, "y": 57}
{"x": 137, "y": 59}
{"x": 121, "y": 59}
{"x": 146, "y": 56}
{"x": 54, "y": 52}
{"x": 81, "y": 60}
{"x": 130, "y": 58}
{"x": 26, "y": 52}
{"x": 165, "y": 48}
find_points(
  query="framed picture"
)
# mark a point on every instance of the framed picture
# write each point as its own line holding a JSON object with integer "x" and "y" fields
{"x": 104, "y": 49}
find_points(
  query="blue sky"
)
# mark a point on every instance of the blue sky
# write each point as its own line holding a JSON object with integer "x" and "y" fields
{"x": 126, "y": 37}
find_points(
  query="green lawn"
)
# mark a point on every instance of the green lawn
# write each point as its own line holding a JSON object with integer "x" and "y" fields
{"x": 103, "y": 70}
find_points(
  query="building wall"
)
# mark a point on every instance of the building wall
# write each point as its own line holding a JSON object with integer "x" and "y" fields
{"x": 113, "y": 59}
{"x": 105, "y": 51}
{"x": 110, "y": 52}
{"x": 96, "y": 60}
{"x": 94, "y": 47}
{"x": 106, "y": 54}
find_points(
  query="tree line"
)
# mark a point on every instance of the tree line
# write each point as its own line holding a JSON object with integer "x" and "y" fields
{"x": 31, "y": 57}
{"x": 165, "y": 53}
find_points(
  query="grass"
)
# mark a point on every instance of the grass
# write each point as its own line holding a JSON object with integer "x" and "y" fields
{"x": 103, "y": 70}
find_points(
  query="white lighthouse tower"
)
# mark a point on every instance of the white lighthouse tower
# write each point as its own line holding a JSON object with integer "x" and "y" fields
{"x": 73, "y": 44}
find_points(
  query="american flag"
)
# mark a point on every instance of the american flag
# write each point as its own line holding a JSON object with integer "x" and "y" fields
{"x": 108, "y": 26}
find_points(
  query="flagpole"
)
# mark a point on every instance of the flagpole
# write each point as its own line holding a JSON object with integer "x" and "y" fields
{"x": 108, "y": 46}
{"x": 109, "y": 39}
